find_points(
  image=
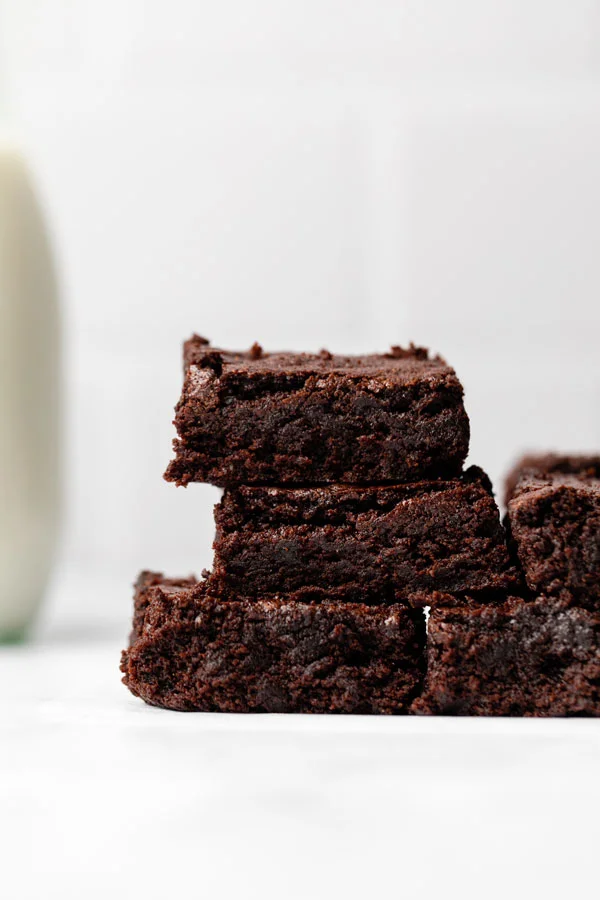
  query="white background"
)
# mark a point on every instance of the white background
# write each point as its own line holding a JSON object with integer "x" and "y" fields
{"x": 348, "y": 174}
{"x": 307, "y": 174}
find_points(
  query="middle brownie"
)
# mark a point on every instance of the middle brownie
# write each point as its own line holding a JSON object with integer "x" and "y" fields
{"x": 361, "y": 544}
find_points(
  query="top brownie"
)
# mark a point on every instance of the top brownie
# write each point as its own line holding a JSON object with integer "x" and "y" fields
{"x": 298, "y": 418}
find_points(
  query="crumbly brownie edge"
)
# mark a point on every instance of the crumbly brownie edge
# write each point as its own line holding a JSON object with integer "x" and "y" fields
{"x": 197, "y": 351}
{"x": 144, "y": 586}
{"x": 539, "y": 658}
{"x": 553, "y": 532}
{"x": 237, "y": 427}
{"x": 362, "y": 541}
{"x": 277, "y": 656}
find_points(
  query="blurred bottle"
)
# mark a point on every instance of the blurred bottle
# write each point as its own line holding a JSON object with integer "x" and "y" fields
{"x": 29, "y": 396}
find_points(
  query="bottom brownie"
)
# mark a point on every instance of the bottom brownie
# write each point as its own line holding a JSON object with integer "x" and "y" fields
{"x": 193, "y": 651}
{"x": 519, "y": 658}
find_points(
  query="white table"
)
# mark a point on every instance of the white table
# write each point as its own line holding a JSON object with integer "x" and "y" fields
{"x": 103, "y": 797}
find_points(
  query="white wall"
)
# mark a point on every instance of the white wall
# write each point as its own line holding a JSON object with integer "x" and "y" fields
{"x": 308, "y": 174}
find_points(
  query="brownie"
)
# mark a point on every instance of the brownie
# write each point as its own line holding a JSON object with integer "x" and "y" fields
{"x": 543, "y": 464}
{"x": 553, "y": 520}
{"x": 196, "y": 652}
{"x": 362, "y": 544}
{"x": 519, "y": 658}
{"x": 142, "y": 592}
{"x": 299, "y": 418}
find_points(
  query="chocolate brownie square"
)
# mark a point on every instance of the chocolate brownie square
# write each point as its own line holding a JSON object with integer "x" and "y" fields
{"x": 362, "y": 544}
{"x": 196, "y": 652}
{"x": 299, "y": 418}
{"x": 553, "y": 520}
{"x": 518, "y": 658}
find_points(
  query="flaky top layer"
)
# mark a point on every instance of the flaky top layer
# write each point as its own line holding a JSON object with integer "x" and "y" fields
{"x": 399, "y": 365}
{"x": 533, "y": 471}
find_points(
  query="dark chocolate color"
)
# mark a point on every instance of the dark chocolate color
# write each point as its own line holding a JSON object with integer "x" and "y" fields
{"x": 538, "y": 658}
{"x": 543, "y": 464}
{"x": 366, "y": 544}
{"x": 554, "y": 523}
{"x": 290, "y": 418}
{"x": 195, "y": 652}
{"x": 142, "y": 593}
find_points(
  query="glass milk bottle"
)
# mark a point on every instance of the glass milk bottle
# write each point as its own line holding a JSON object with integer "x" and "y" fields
{"x": 29, "y": 397}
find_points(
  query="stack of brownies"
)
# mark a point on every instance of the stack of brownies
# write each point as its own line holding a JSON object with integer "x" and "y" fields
{"x": 346, "y": 512}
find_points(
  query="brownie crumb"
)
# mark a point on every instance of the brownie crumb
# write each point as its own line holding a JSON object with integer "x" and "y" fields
{"x": 411, "y": 352}
{"x": 213, "y": 361}
{"x": 256, "y": 351}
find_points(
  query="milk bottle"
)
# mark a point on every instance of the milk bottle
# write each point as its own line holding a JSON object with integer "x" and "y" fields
{"x": 29, "y": 397}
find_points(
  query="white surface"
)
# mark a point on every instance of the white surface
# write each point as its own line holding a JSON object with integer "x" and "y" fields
{"x": 101, "y": 796}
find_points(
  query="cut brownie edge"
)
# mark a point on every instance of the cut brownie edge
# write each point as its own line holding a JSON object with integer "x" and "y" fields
{"x": 302, "y": 419}
{"x": 371, "y": 544}
{"x": 197, "y": 652}
{"x": 143, "y": 587}
{"x": 519, "y": 658}
{"x": 256, "y": 507}
{"x": 553, "y": 527}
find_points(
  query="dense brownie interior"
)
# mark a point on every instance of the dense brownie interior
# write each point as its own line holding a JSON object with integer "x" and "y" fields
{"x": 554, "y": 526}
{"x": 538, "y": 658}
{"x": 143, "y": 593}
{"x": 364, "y": 544}
{"x": 196, "y": 652}
{"x": 286, "y": 418}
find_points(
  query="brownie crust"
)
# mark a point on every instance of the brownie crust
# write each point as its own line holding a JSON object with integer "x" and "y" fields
{"x": 299, "y": 419}
{"x": 542, "y": 465}
{"x": 361, "y": 544}
{"x": 196, "y": 652}
{"x": 519, "y": 658}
